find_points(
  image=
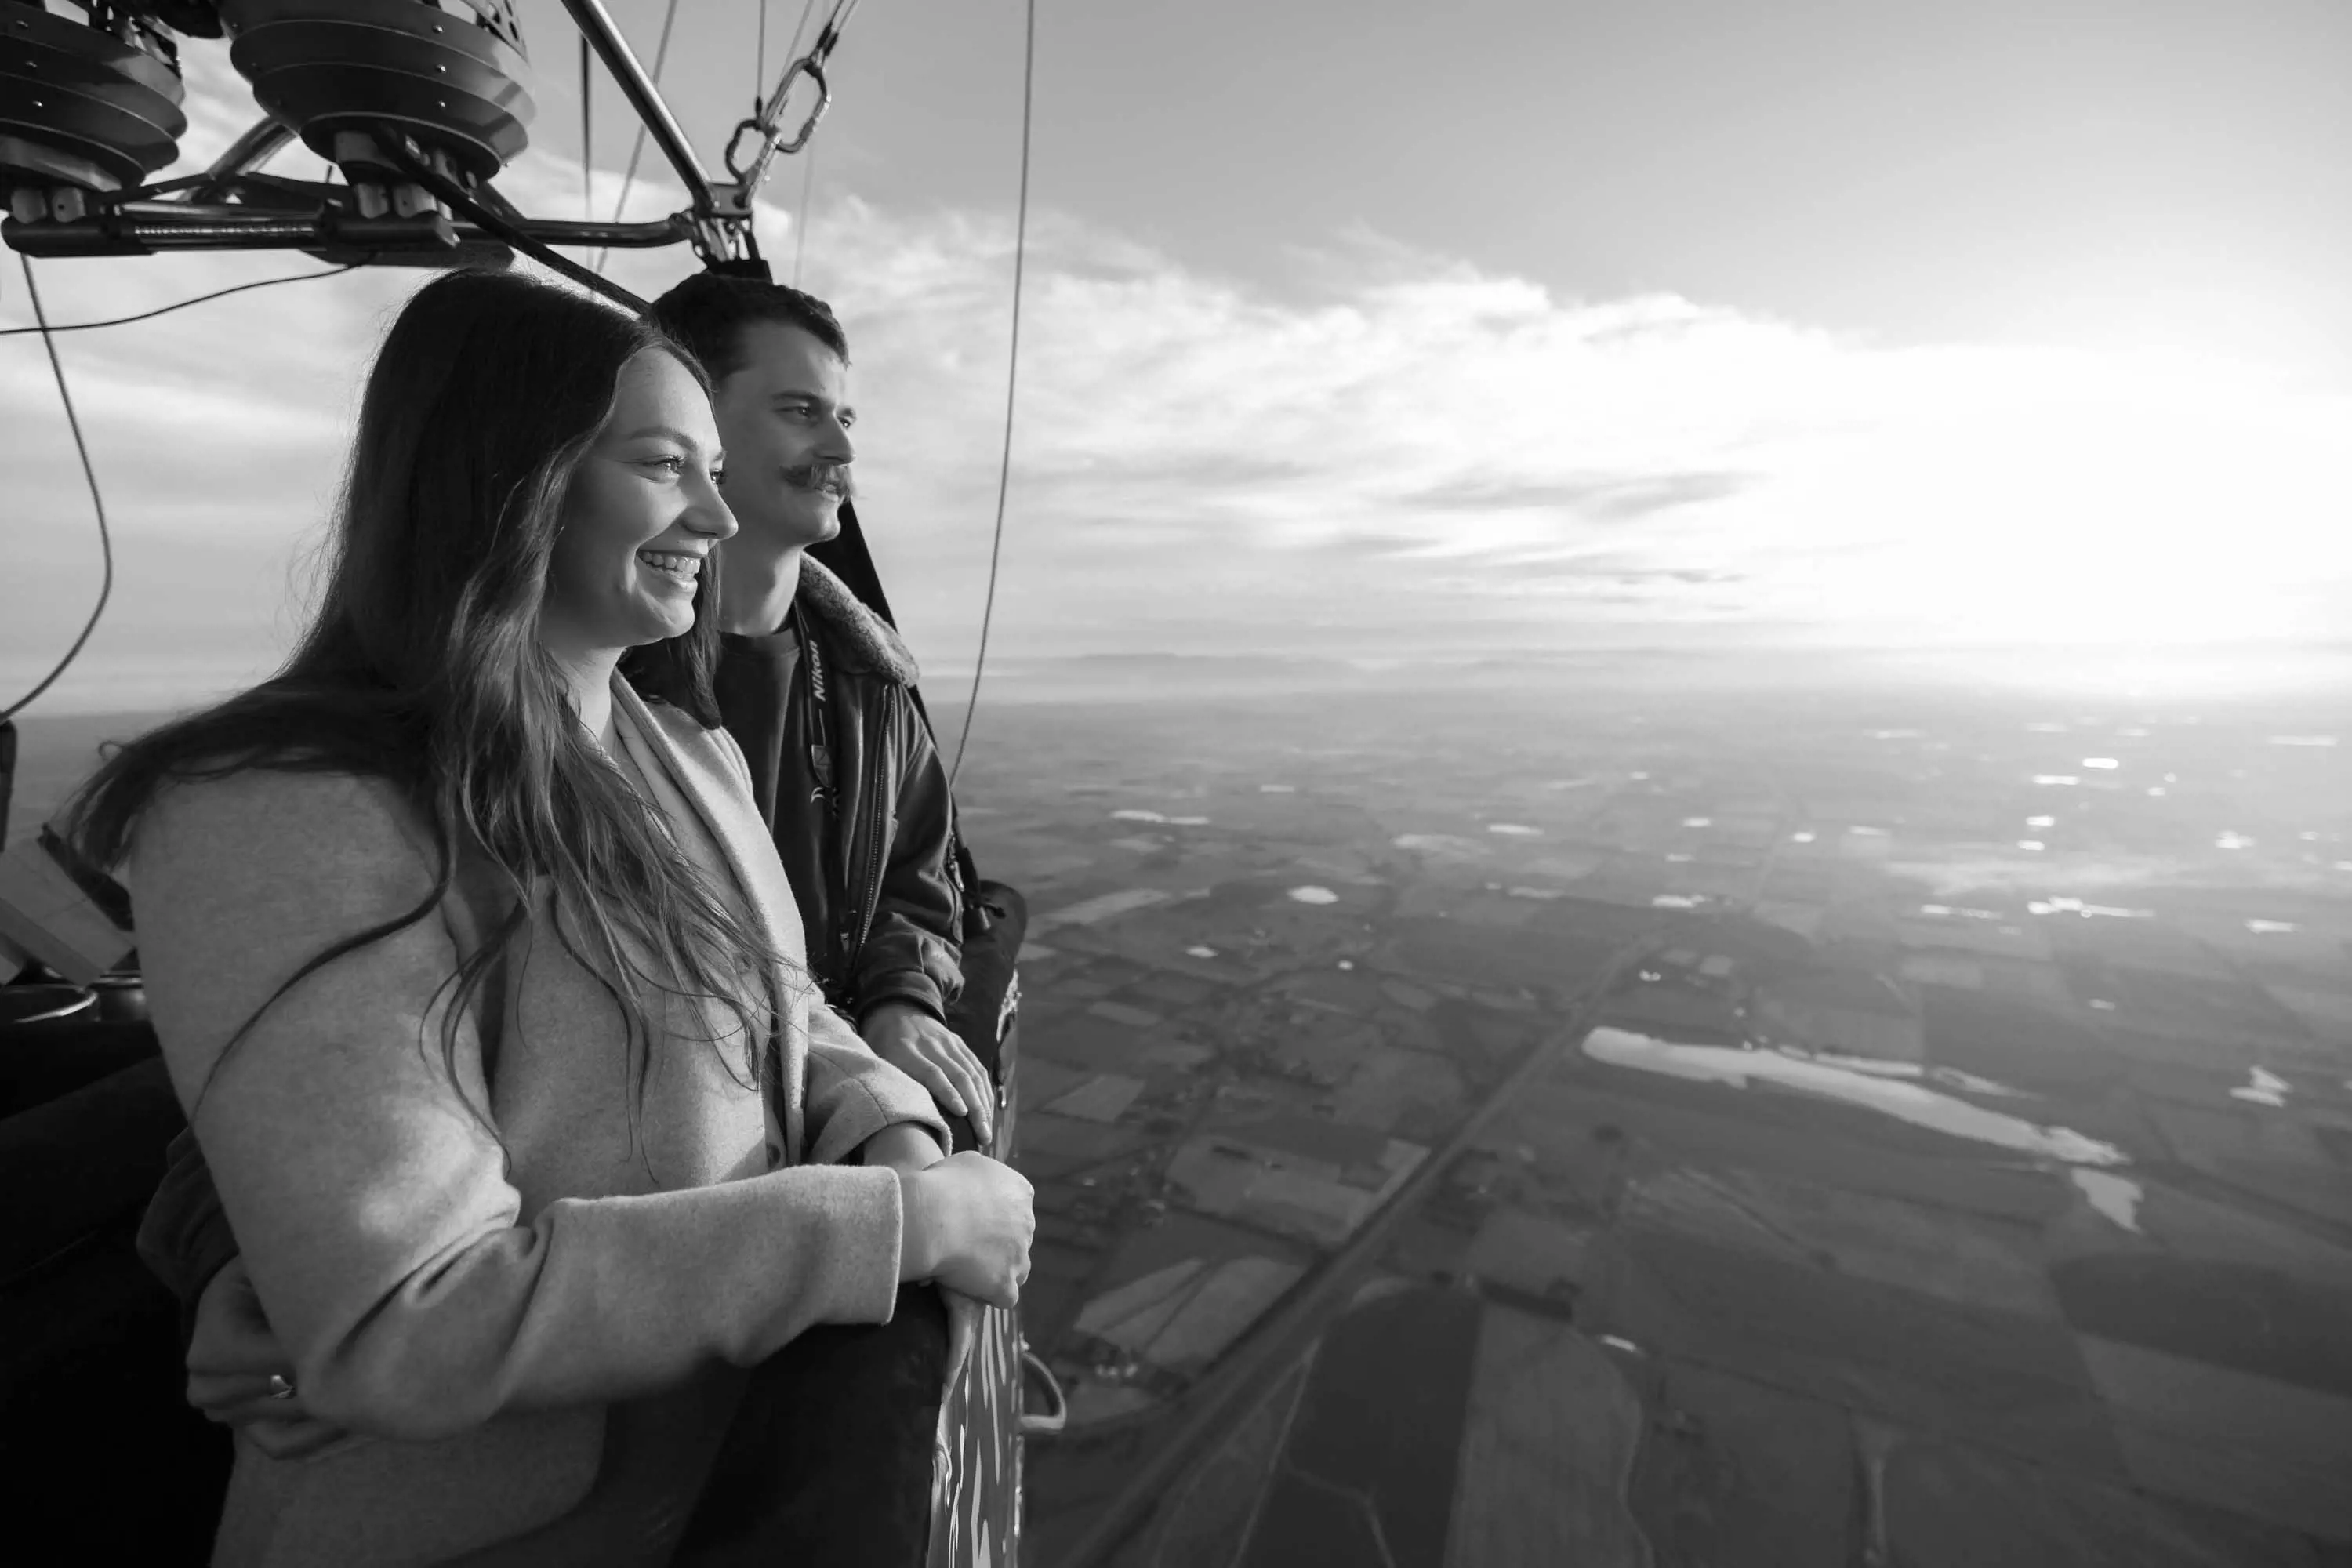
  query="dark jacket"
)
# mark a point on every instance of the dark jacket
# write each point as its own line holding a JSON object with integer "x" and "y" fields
{"x": 869, "y": 848}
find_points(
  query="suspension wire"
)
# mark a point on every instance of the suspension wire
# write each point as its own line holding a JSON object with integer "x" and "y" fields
{"x": 808, "y": 171}
{"x": 97, "y": 501}
{"x": 760, "y": 66}
{"x": 167, "y": 310}
{"x": 793, "y": 50}
{"x": 637, "y": 147}
{"x": 587, "y": 143}
{"x": 1011, "y": 383}
{"x": 801, "y": 223}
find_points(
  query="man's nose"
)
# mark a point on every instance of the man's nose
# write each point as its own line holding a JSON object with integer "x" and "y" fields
{"x": 834, "y": 441}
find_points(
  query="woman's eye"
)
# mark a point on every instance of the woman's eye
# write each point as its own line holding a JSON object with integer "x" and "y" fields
{"x": 718, "y": 476}
{"x": 667, "y": 465}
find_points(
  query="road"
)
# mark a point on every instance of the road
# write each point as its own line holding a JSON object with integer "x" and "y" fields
{"x": 1211, "y": 1409}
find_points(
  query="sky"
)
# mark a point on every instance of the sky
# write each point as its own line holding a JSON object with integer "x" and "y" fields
{"x": 1380, "y": 330}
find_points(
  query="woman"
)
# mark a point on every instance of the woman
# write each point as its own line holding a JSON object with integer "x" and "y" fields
{"x": 481, "y": 982}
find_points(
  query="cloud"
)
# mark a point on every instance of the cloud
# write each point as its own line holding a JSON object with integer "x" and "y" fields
{"x": 1423, "y": 450}
{"x": 1407, "y": 451}
{"x": 1599, "y": 498}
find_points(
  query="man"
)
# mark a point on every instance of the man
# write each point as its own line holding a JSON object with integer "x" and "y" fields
{"x": 819, "y": 691}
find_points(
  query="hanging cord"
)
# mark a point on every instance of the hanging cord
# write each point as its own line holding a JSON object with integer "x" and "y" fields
{"x": 637, "y": 147}
{"x": 587, "y": 128}
{"x": 97, "y": 501}
{"x": 1011, "y": 383}
{"x": 167, "y": 310}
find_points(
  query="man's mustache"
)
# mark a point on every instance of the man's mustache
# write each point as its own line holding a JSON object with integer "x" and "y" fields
{"x": 832, "y": 478}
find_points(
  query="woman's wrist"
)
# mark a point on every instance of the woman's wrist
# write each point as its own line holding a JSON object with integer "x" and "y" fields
{"x": 904, "y": 1146}
{"x": 918, "y": 1228}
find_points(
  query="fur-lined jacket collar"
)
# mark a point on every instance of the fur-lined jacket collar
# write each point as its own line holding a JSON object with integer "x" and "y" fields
{"x": 856, "y": 634}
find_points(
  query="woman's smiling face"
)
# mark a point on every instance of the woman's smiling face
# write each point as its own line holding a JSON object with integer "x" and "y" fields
{"x": 642, "y": 516}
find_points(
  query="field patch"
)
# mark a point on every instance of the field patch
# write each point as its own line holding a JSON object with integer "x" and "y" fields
{"x": 1546, "y": 1451}
{"x": 2251, "y": 1445}
{"x": 1965, "y": 1260}
{"x": 1948, "y": 1506}
{"x": 1734, "y": 1471}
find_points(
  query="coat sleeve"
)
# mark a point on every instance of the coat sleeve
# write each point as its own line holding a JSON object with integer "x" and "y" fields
{"x": 357, "y": 1167}
{"x": 183, "y": 1236}
{"x": 914, "y": 951}
{"x": 853, "y": 1094}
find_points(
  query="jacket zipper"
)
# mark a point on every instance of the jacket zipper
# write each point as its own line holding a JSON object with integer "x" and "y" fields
{"x": 870, "y": 905}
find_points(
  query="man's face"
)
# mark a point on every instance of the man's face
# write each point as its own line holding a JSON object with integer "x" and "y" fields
{"x": 784, "y": 417}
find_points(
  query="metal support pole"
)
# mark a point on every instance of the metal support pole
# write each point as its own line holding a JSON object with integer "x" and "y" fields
{"x": 259, "y": 143}
{"x": 596, "y": 25}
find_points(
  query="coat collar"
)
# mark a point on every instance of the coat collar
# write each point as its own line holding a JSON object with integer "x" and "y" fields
{"x": 698, "y": 768}
{"x": 709, "y": 774}
{"x": 853, "y": 633}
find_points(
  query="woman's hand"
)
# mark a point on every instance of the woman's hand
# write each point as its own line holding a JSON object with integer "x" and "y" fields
{"x": 969, "y": 1221}
{"x": 963, "y": 1331}
{"x": 240, "y": 1375}
{"x": 935, "y": 1057}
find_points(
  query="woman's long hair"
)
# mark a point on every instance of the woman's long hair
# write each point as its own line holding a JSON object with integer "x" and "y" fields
{"x": 422, "y": 668}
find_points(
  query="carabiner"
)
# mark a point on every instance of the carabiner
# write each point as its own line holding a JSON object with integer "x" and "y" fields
{"x": 771, "y": 142}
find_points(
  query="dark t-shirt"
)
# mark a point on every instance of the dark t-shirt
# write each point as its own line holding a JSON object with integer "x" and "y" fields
{"x": 762, "y": 701}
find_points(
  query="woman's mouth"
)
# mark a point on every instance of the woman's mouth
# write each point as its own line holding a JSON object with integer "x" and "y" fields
{"x": 675, "y": 565}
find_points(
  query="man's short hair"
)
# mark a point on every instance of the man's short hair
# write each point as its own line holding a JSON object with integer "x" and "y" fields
{"x": 706, "y": 316}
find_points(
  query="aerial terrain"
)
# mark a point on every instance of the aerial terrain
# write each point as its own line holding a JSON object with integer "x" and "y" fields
{"x": 1622, "y": 1113}
{"x": 1558, "y": 1120}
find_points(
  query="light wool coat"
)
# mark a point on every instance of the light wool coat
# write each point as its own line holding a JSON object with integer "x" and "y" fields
{"x": 494, "y": 1310}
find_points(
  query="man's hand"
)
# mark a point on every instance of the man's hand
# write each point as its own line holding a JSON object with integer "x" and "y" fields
{"x": 238, "y": 1373}
{"x": 928, "y": 1052}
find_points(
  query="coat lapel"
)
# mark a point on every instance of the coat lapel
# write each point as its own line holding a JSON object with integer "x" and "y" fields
{"x": 725, "y": 808}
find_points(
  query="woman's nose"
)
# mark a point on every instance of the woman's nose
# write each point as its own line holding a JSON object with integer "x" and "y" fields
{"x": 708, "y": 513}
